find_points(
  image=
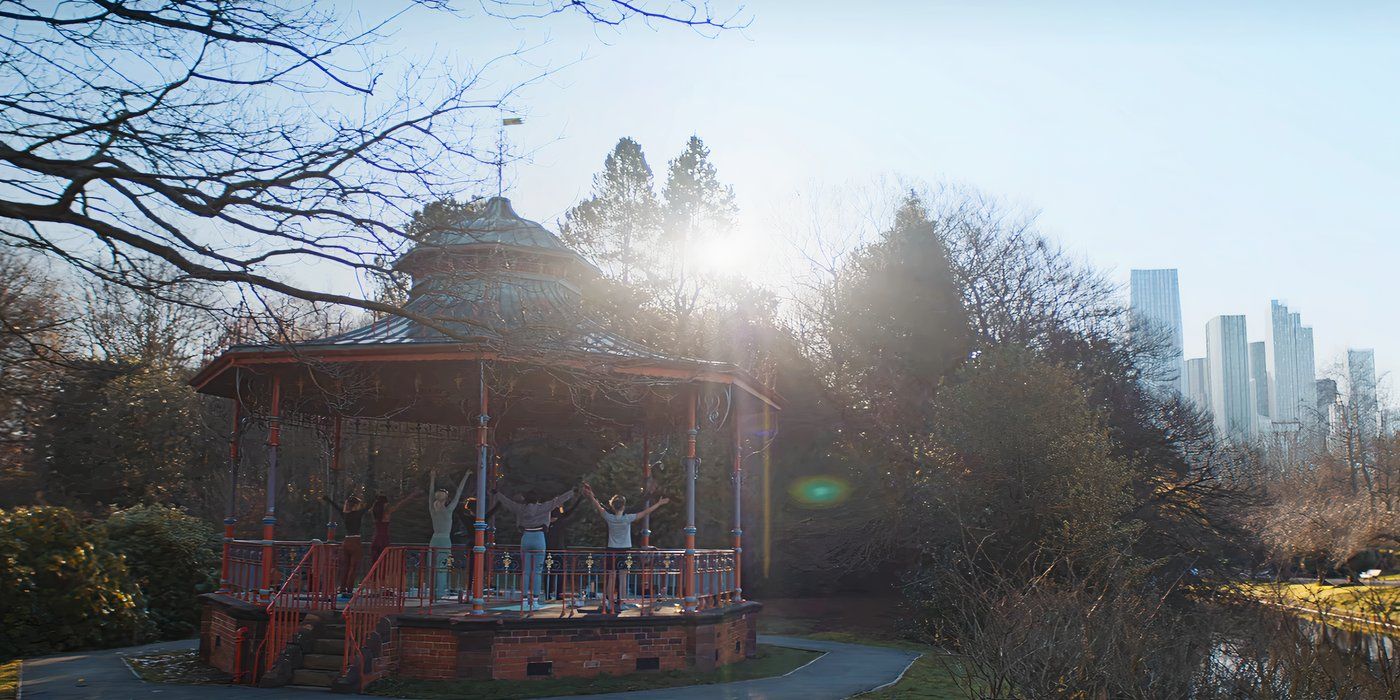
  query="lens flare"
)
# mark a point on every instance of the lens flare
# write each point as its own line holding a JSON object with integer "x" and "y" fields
{"x": 819, "y": 491}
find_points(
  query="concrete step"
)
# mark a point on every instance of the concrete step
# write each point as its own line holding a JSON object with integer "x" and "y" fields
{"x": 329, "y": 646}
{"x": 314, "y": 677}
{"x": 322, "y": 662}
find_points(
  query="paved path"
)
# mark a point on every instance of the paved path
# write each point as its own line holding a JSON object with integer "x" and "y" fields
{"x": 843, "y": 670}
{"x": 102, "y": 674}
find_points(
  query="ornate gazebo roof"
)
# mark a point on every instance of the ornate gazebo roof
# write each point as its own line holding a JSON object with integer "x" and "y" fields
{"x": 487, "y": 285}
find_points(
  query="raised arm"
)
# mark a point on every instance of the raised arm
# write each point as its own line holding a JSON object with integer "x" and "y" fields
{"x": 561, "y": 499}
{"x": 588, "y": 491}
{"x": 647, "y": 511}
{"x": 334, "y": 505}
{"x": 506, "y": 502}
{"x": 461, "y": 485}
{"x": 401, "y": 502}
{"x": 432, "y": 487}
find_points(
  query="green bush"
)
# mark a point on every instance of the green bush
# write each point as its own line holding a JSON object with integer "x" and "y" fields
{"x": 173, "y": 557}
{"x": 61, "y": 588}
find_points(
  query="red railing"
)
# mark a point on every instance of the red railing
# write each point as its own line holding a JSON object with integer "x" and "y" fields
{"x": 243, "y": 577}
{"x": 645, "y": 579}
{"x": 714, "y": 578}
{"x": 404, "y": 576}
{"x": 311, "y": 585}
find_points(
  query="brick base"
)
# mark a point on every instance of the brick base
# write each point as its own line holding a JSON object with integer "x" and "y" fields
{"x": 443, "y": 649}
{"x": 219, "y": 624}
{"x": 447, "y": 648}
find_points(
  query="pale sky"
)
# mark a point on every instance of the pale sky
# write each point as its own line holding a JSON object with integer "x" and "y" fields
{"x": 1254, "y": 147}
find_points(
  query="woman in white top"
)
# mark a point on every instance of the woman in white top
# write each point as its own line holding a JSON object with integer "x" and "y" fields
{"x": 619, "y": 540}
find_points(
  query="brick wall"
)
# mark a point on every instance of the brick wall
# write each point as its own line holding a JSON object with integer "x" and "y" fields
{"x": 218, "y": 632}
{"x": 426, "y": 654}
{"x": 736, "y": 639}
{"x": 587, "y": 652}
{"x": 441, "y": 649}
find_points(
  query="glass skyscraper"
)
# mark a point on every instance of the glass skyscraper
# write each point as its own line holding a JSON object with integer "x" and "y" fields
{"x": 1155, "y": 300}
{"x": 1362, "y": 401}
{"x": 1294, "y": 398}
{"x": 1227, "y": 356}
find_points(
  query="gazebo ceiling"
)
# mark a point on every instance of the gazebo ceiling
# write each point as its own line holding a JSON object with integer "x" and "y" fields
{"x": 490, "y": 288}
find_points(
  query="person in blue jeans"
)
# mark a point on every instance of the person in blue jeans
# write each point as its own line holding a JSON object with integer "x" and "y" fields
{"x": 533, "y": 518}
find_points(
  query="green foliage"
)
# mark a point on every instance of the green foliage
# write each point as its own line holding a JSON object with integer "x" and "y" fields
{"x": 124, "y": 434}
{"x": 898, "y": 325}
{"x": 173, "y": 557}
{"x": 61, "y": 588}
{"x": 1030, "y": 463}
{"x": 619, "y": 225}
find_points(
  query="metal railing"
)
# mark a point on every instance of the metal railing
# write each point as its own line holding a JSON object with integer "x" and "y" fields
{"x": 644, "y": 579}
{"x": 417, "y": 576}
{"x": 310, "y": 585}
{"x": 244, "y": 570}
{"x": 714, "y": 578}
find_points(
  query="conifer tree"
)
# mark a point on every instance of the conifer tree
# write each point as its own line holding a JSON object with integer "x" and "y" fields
{"x": 698, "y": 206}
{"x": 619, "y": 226}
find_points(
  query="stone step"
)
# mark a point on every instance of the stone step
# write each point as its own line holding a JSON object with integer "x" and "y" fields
{"x": 322, "y": 662}
{"x": 329, "y": 646}
{"x": 314, "y": 677}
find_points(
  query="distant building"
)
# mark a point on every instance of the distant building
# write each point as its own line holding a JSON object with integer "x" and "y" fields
{"x": 1155, "y": 300}
{"x": 1307, "y": 378}
{"x": 1329, "y": 410}
{"x": 1362, "y": 399}
{"x": 1198, "y": 382}
{"x": 1259, "y": 383}
{"x": 1227, "y": 355}
{"x": 1293, "y": 399}
{"x": 1327, "y": 394}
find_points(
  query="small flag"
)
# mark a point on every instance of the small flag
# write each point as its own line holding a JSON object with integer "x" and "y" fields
{"x": 512, "y": 121}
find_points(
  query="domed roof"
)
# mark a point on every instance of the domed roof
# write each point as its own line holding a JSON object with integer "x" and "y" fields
{"x": 496, "y": 223}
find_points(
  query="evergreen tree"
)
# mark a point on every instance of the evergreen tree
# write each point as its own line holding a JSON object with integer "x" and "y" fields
{"x": 698, "y": 206}
{"x": 619, "y": 226}
{"x": 898, "y": 324}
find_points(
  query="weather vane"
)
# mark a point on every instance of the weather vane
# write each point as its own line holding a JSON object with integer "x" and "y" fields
{"x": 501, "y": 152}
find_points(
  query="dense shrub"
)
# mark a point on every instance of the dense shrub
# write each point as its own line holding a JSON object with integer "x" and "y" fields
{"x": 61, "y": 587}
{"x": 173, "y": 557}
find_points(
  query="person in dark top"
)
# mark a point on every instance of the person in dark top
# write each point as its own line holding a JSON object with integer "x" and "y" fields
{"x": 352, "y": 515}
{"x": 380, "y": 512}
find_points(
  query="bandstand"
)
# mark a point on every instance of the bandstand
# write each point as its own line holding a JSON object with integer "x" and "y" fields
{"x": 494, "y": 345}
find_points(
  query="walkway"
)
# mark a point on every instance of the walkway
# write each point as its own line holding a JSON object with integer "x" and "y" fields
{"x": 844, "y": 670}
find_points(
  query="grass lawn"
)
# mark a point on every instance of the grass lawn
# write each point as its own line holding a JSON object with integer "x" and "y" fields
{"x": 1375, "y": 602}
{"x": 175, "y": 667}
{"x": 9, "y": 679}
{"x": 771, "y": 661}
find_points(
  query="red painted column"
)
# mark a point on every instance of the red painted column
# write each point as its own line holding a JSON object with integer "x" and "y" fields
{"x": 738, "y": 477}
{"x": 231, "y": 516}
{"x": 335, "y": 476}
{"x": 274, "y": 441}
{"x": 646, "y": 490}
{"x": 479, "y": 530}
{"x": 688, "y": 575}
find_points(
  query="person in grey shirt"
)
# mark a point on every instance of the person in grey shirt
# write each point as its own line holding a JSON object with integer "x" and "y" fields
{"x": 533, "y": 518}
{"x": 619, "y": 541}
{"x": 440, "y": 507}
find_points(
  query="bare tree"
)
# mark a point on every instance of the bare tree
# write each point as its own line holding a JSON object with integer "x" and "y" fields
{"x": 232, "y": 138}
{"x": 35, "y": 335}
